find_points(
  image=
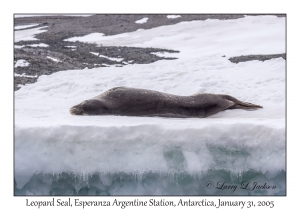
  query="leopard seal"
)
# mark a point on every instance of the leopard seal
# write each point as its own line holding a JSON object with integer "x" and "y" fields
{"x": 141, "y": 102}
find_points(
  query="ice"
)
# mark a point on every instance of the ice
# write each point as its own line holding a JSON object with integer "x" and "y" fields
{"x": 148, "y": 183}
{"x": 50, "y": 140}
{"x": 87, "y": 37}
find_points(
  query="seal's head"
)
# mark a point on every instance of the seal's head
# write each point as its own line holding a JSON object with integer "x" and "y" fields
{"x": 88, "y": 107}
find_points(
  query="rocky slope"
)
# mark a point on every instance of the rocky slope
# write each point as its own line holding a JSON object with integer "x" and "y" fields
{"x": 62, "y": 55}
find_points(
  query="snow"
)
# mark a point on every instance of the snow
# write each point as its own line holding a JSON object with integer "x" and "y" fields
{"x": 71, "y": 46}
{"x": 164, "y": 54}
{"x": 21, "y": 63}
{"x": 97, "y": 54}
{"x": 236, "y": 37}
{"x": 173, "y": 16}
{"x": 23, "y": 75}
{"x": 49, "y": 139}
{"x": 28, "y": 35}
{"x": 109, "y": 58}
{"x": 54, "y": 59}
{"x": 104, "y": 64}
{"x": 38, "y": 45}
{"x": 25, "y": 26}
{"x": 31, "y": 45}
{"x": 124, "y": 62}
{"x": 19, "y": 46}
{"x": 142, "y": 21}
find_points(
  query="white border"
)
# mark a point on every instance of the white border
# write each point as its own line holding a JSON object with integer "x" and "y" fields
{"x": 8, "y": 201}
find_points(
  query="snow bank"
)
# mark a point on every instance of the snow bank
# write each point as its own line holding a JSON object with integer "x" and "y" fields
{"x": 73, "y": 142}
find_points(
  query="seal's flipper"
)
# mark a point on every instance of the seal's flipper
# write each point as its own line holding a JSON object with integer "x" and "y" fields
{"x": 214, "y": 109}
{"x": 240, "y": 104}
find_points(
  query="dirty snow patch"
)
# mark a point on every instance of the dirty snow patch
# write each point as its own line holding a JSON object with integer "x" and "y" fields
{"x": 97, "y": 54}
{"x": 25, "y": 26}
{"x": 85, "y": 38}
{"x": 21, "y": 63}
{"x": 173, "y": 16}
{"x": 111, "y": 65}
{"x": 142, "y": 21}
{"x": 28, "y": 35}
{"x": 38, "y": 45}
{"x": 22, "y": 16}
{"x": 24, "y": 75}
{"x": 19, "y": 46}
{"x": 109, "y": 58}
{"x": 112, "y": 59}
{"x": 54, "y": 59}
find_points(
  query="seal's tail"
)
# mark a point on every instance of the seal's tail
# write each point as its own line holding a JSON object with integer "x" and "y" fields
{"x": 240, "y": 104}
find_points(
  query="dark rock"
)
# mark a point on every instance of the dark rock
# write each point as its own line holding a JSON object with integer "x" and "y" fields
{"x": 245, "y": 58}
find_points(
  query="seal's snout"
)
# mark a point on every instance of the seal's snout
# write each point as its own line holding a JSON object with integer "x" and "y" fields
{"x": 76, "y": 111}
{"x": 73, "y": 111}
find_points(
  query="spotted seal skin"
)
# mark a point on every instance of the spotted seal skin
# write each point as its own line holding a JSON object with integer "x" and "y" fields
{"x": 141, "y": 102}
